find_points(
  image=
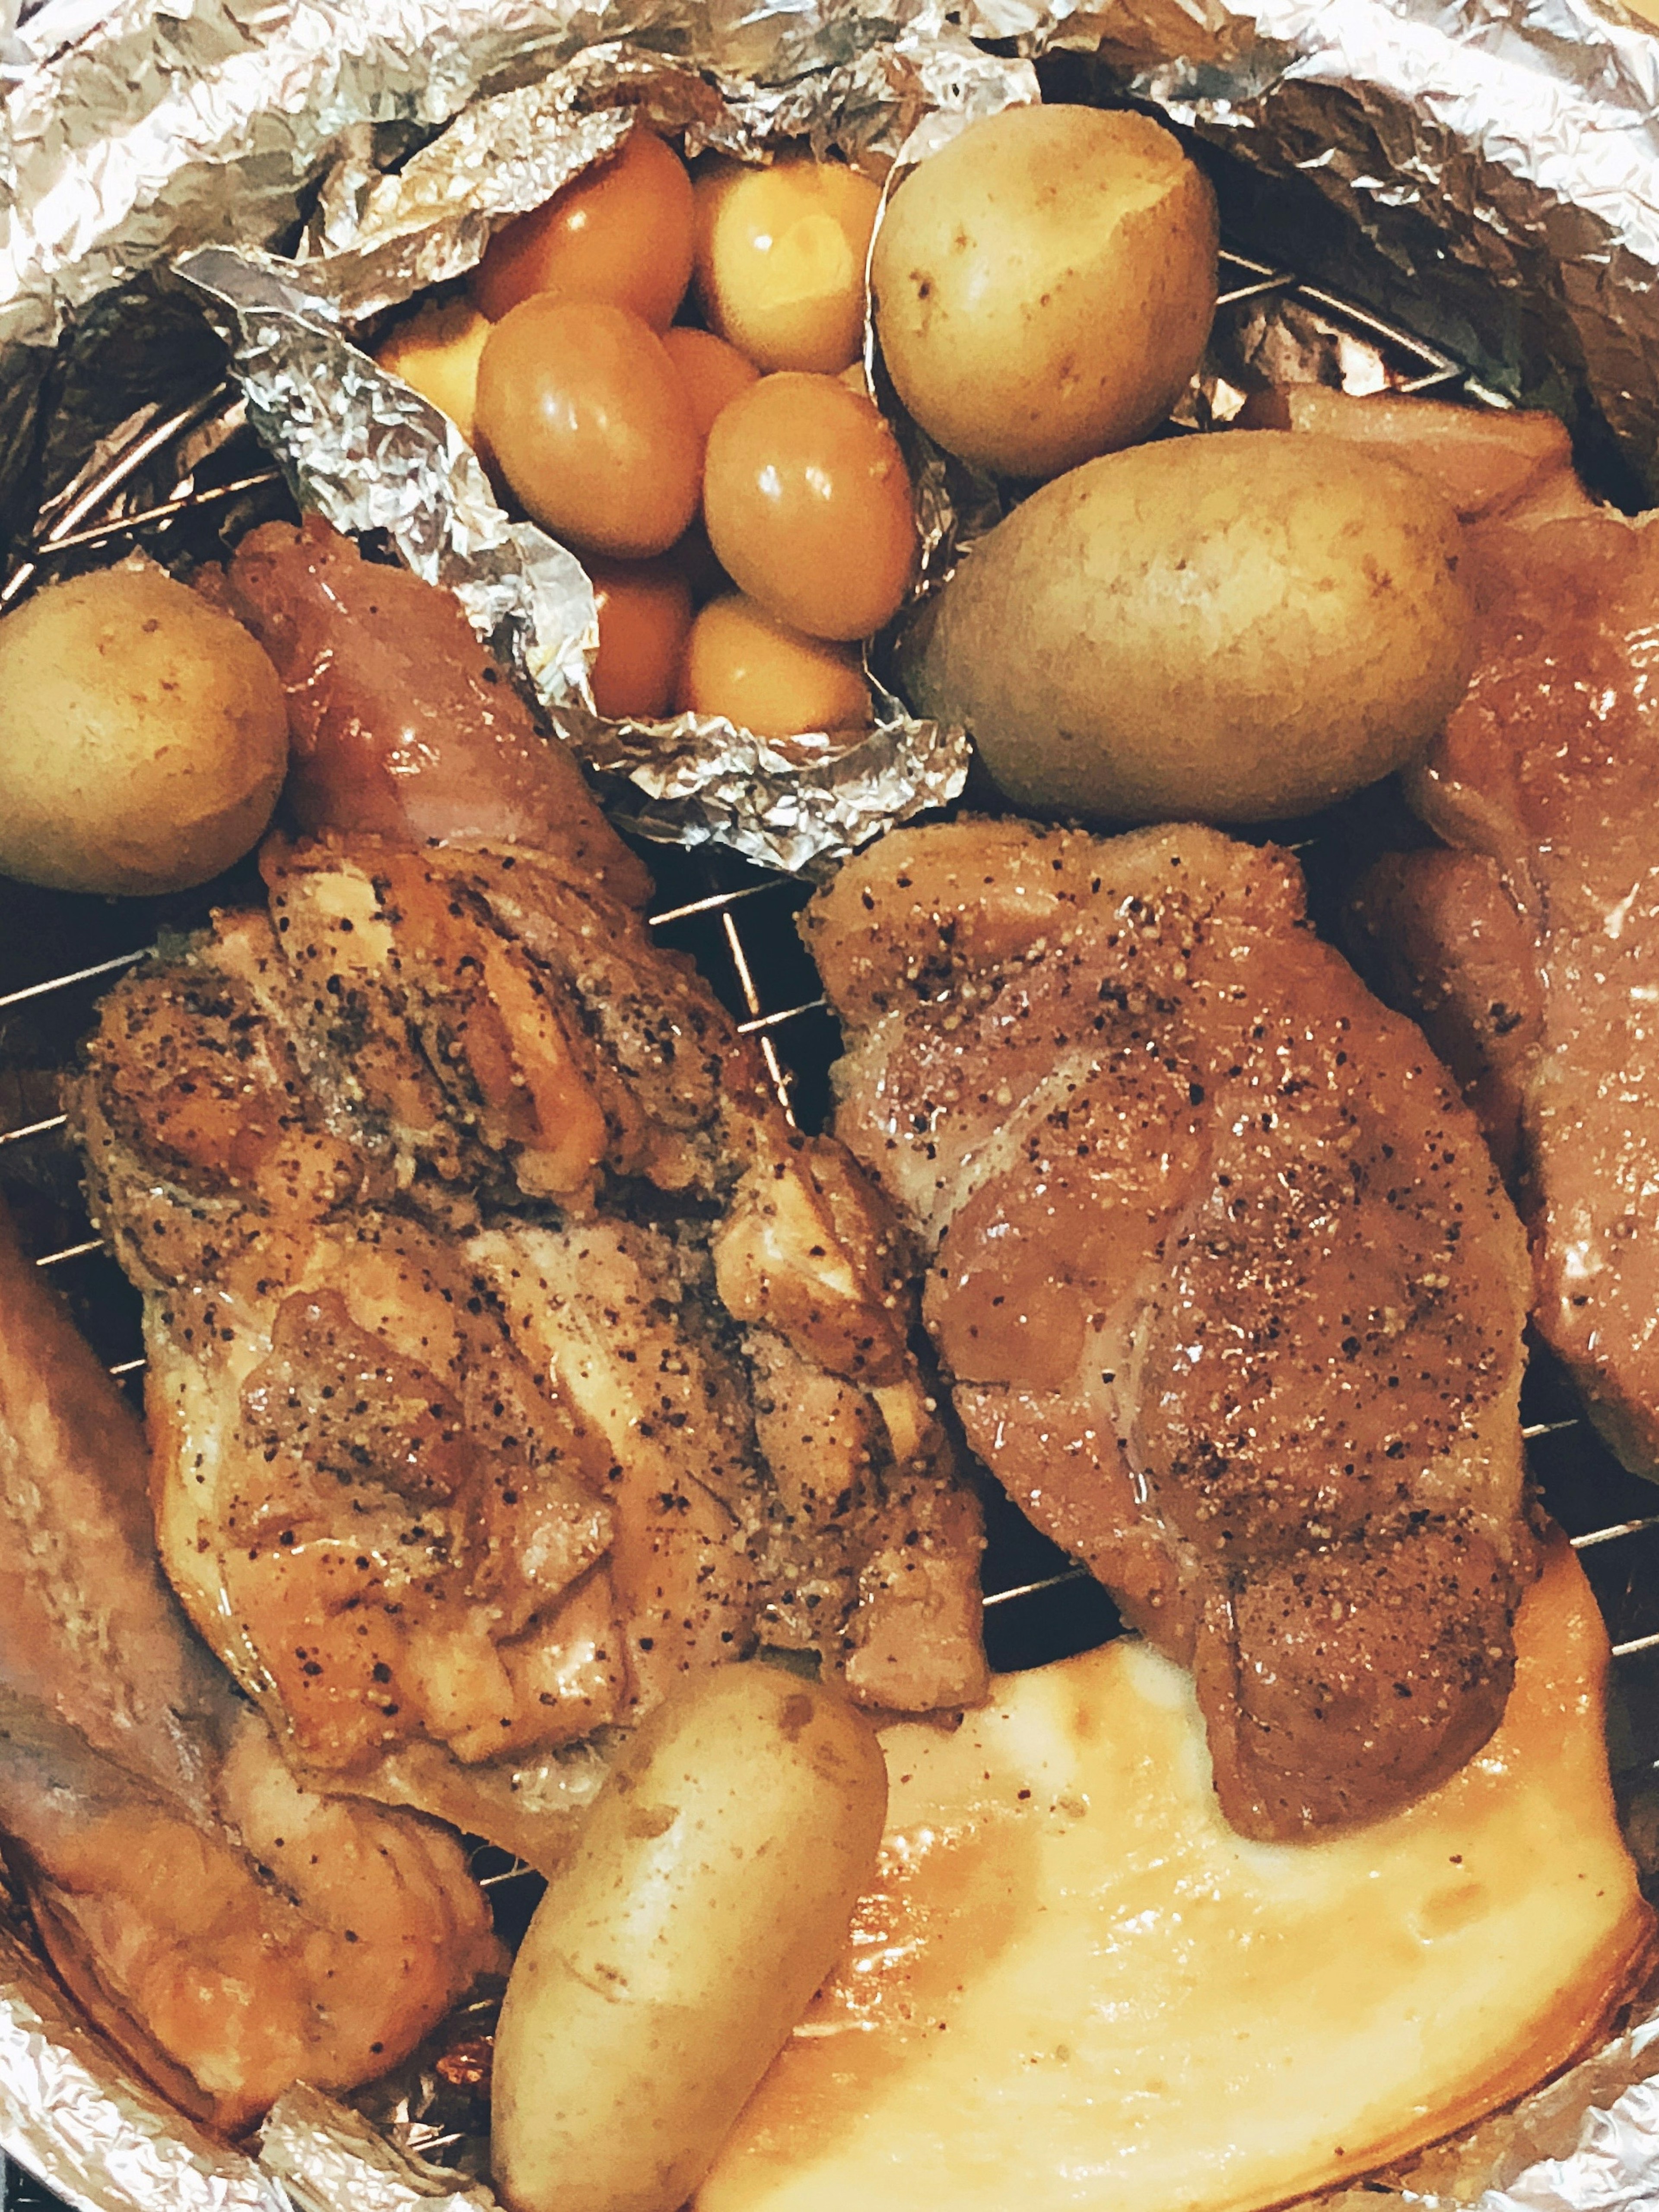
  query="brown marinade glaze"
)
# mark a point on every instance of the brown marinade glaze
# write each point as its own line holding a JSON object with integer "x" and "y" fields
{"x": 1229, "y": 1289}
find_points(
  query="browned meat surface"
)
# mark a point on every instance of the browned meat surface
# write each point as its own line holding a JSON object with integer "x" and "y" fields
{"x": 475, "y": 1247}
{"x": 230, "y": 1931}
{"x": 1228, "y": 1291}
{"x": 1530, "y": 949}
{"x": 413, "y": 732}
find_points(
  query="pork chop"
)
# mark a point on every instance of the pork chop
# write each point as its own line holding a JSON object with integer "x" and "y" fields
{"x": 1527, "y": 944}
{"x": 1226, "y": 1282}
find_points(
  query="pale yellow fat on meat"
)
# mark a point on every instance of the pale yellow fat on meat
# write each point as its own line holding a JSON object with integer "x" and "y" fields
{"x": 1075, "y": 1987}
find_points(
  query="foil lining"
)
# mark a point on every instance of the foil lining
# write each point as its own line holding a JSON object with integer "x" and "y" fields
{"x": 328, "y": 2157}
{"x": 1521, "y": 143}
{"x": 321, "y": 160}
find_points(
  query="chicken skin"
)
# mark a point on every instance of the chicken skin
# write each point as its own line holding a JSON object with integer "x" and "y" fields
{"x": 488, "y": 1294}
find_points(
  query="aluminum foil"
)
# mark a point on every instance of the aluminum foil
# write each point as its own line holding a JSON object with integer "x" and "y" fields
{"x": 329, "y": 2157}
{"x": 326, "y": 158}
{"x": 362, "y": 448}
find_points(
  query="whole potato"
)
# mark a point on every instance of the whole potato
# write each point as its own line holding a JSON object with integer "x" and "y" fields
{"x": 1227, "y": 628}
{"x": 708, "y": 1897}
{"x": 144, "y": 736}
{"x": 1044, "y": 286}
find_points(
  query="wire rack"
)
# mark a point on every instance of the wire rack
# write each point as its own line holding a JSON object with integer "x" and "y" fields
{"x": 58, "y": 953}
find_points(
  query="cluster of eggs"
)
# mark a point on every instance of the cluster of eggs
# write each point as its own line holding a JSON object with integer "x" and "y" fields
{"x": 741, "y": 507}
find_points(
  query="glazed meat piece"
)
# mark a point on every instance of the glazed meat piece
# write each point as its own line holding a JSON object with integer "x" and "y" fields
{"x": 472, "y": 1243}
{"x": 1229, "y": 1292}
{"x": 1530, "y": 949}
{"x": 475, "y": 1248}
{"x": 230, "y": 1931}
{"x": 413, "y": 732}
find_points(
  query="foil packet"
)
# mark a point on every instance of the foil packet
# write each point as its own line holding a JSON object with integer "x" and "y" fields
{"x": 1491, "y": 178}
{"x": 385, "y": 223}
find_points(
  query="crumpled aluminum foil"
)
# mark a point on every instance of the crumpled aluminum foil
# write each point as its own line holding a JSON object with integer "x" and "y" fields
{"x": 1519, "y": 143}
{"x": 358, "y": 447}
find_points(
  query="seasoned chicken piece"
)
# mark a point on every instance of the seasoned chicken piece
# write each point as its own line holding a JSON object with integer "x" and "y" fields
{"x": 471, "y": 1234}
{"x": 230, "y": 1931}
{"x": 1229, "y": 1292}
{"x": 472, "y": 1237}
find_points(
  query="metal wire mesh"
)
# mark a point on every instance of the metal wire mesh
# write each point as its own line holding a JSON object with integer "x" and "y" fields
{"x": 57, "y": 954}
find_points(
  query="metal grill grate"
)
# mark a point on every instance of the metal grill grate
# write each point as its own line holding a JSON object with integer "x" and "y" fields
{"x": 56, "y": 955}
{"x": 732, "y": 919}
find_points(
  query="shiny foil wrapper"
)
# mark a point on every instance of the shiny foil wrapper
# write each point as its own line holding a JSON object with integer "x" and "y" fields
{"x": 358, "y": 447}
{"x": 311, "y": 163}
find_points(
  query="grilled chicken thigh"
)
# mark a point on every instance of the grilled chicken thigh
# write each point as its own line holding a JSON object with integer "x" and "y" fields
{"x": 509, "y": 1352}
{"x": 1230, "y": 1294}
{"x": 230, "y": 1931}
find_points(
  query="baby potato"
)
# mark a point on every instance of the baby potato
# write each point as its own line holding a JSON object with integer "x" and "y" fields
{"x": 1238, "y": 627}
{"x": 808, "y": 505}
{"x": 1044, "y": 285}
{"x": 144, "y": 736}
{"x": 645, "y": 611}
{"x": 437, "y": 351}
{"x": 780, "y": 256}
{"x": 589, "y": 422}
{"x": 762, "y": 676}
{"x": 621, "y": 232}
{"x": 708, "y": 1896}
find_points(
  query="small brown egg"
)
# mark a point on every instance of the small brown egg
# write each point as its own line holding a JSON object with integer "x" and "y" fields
{"x": 780, "y": 259}
{"x": 436, "y": 351}
{"x": 743, "y": 663}
{"x": 714, "y": 373}
{"x": 693, "y": 556}
{"x": 589, "y": 422}
{"x": 808, "y": 505}
{"x": 645, "y": 611}
{"x": 621, "y": 231}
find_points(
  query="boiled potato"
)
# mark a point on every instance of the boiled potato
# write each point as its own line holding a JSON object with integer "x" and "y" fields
{"x": 1228, "y": 628}
{"x": 144, "y": 736}
{"x": 709, "y": 1897}
{"x": 1044, "y": 285}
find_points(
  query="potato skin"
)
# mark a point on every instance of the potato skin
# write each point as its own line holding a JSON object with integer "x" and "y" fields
{"x": 1238, "y": 628}
{"x": 144, "y": 736}
{"x": 1044, "y": 285}
{"x": 708, "y": 1897}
